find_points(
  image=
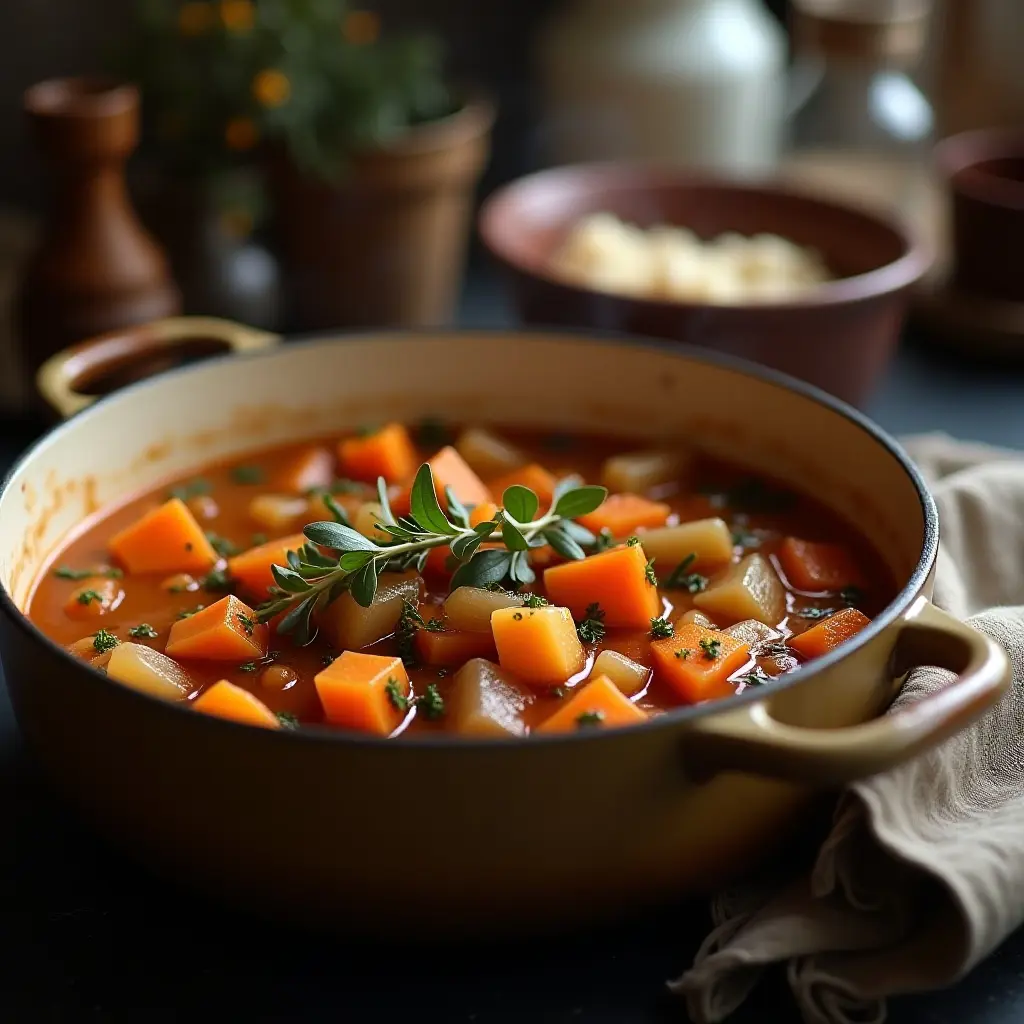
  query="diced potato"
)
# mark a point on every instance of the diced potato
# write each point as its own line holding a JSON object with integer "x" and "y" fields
{"x": 202, "y": 506}
{"x": 484, "y": 701}
{"x": 179, "y": 583}
{"x": 750, "y": 590}
{"x": 95, "y": 597}
{"x": 366, "y": 519}
{"x": 86, "y": 650}
{"x": 349, "y": 626}
{"x": 752, "y": 631}
{"x": 709, "y": 539}
{"x": 469, "y": 608}
{"x": 278, "y": 512}
{"x": 638, "y": 472}
{"x": 629, "y": 676}
{"x": 148, "y": 671}
{"x": 487, "y": 454}
{"x": 695, "y": 616}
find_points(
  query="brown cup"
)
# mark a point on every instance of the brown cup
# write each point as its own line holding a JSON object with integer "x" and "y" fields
{"x": 984, "y": 171}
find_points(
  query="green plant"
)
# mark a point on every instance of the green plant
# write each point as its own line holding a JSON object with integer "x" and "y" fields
{"x": 316, "y": 77}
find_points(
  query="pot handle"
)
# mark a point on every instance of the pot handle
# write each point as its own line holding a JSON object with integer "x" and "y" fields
{"x": 748, "y": 739}
{"x": 63, "y": 374}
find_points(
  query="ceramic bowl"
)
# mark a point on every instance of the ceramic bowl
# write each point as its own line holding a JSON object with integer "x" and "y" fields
{"x": 840, "y": 337}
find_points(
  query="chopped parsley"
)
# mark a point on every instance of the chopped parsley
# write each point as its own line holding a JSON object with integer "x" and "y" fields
{"x": 683, "y": 654}
{"x": 680, "y": 579}
{"x": 534, "y": 601}
{"x": 431, "y": 702}
{"x": 592, "y": 630}
{"x": 247, "y": 622}
{"x": 224, "y": 547}
{"x": 248, "y": 474}
{"x": 661, "y": 628}
{"x": 103, "y": 640}
{"x": 814, "y": 614}
{"x": 143, "y": 630}
{"x": 217, "y": 582}
{"x": 395, "y": 695}
{"x": 64, "y": 572}
{"x": 249, "y": 666}
{"x": 589, "y": 718}
{"x": 434, "y": 626}
{"x": 649, "y": 573}
{"x": 189, "y": 612}
{"x": 632, "y": 542}
{"x": 604, "y": 540}
{"x": 88, "y": 596}
{"x": 405, "y": 632}
{"x": 193, "y": 489}
{"x": 711, "y": 648}
{"x": 755, "y": 677}
{"x": 287, "y": 720}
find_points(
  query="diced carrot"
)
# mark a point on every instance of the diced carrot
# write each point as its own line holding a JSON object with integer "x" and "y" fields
{"x": 225, "y": 700}
{"x": 624, "y": 514}
{"x": 829, "y": 633}
{"x": 697, "y": 662}
{"x": 450, "y": 469}
{"x": 252, "y": 568}
{"x": 451, "y": 648}
{"x": 364, "y": 692}
{"x": 539, "y": 645}
{"x": 228, "y": 630}
{"x": 310, "y": 467}
{"x": 811, "y": 566}
{"x": 483, "y": 512}
{"x": 534, "y": 476}
{"x": 599, "y": 703}
{"x": 95, "y": 597}
{"x": 389, "y": 453}
{"x": 165, "y": 539}
{"x": 616, "y": 580}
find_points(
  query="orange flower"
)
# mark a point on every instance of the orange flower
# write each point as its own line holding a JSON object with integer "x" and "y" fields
{"x": 195, "y": 18}
{"x": 241, "y": 133}
{"x": 271, "y": 88}
{"x": 237, "y": 15}
{"x": 361, "y": 28}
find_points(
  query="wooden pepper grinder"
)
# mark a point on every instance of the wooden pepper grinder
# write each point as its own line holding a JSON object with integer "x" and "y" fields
{"x": 96, "y": 269}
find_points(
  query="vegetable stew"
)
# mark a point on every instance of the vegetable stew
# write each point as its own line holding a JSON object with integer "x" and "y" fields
{"x": 476, "y": 581}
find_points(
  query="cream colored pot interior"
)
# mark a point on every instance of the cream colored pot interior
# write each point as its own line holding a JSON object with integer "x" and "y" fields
{"x": 179, "y": 422}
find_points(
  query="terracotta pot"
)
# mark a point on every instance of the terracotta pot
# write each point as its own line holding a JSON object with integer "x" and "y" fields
{"x": 386, "y": 244}
{"x": 840, "y": 337}
{"x": 97, "y": 268}
{"x": 441, "y": 834}
{"x": 984, "y": 171}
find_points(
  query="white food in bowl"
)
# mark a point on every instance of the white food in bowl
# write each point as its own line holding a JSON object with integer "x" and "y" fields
{"x": 606, "y": 254}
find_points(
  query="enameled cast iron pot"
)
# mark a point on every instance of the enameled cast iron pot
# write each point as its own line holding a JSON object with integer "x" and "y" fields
{"x": 443, "y": 835}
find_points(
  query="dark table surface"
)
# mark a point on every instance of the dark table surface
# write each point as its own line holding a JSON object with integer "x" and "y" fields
{"x": 88, "y": 937}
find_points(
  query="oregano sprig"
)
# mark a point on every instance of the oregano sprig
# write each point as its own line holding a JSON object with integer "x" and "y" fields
{"x": 313, "y": 578}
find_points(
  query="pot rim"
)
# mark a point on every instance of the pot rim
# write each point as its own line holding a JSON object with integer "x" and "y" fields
{"x": 961, "y": 159}
{"x": 671, "y": 719}
{"x": 888, "y": 279}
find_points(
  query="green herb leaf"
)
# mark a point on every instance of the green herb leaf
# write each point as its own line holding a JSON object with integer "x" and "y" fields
{"x": 247, "y": 622}
{"x": 65, "y": 573}
{"x": 814, "y": 614}
{"x": 103, "y": 640}
{"x": 683, "y": 654}
{"x": 755, "y": 677}
{"x": 589, "y": 719}
{"x": 249, "y": 666}
{"x": 534, "y": 601}
{"x": 649, "y": 574}
{"x": 288, "y": 721}
{"x": 711, "y": 648}
{"x": 604, "y": 540}
{"x": 224, "y": 547}
{"x": 431, "y": 702}
{"x": 513, "y": 539}
{"x": 680, "y": 579}
{"x": 192, "y": 489}
{"x": 398, "y": 699}
{"x": 289, "y": 580}
{"x": 189, "y": 612}
{"x": 591, "y": 630}
{"x": 217, "y": 581}
{"x": 298, "y": 621}
{"x": 363, "y": 584}
{"x": 457, "y": 512}
{"x": 424, "y": 506}
{"x": 483, "y": 569}
{"x": 580, "y": 501}
{"x": 560, "y": 540}
{"x": 338, "y": 514}
{"x": 386, "y": 515}
{"x": 520, "y": 569}
{"x": 520, "y": 503}
{"x": 661, "y": 628}
{"x": 342, "y": 538}
{"x": 248, "y": 474}
{"x": 405, "y": 632}
{"x": 88, "y": 596}
{"x": 143, "y": 631}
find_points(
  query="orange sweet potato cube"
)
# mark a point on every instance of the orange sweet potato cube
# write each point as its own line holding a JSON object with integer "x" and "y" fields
{"x": 225, "y": 700}
{"x": 623, "y": 514}
{"x": 366, "y": 692}
{"x": 228, "y": 630}
{"x": 389, "y": 453}
{"x": 829, "y": 633}
{"x": 252, "y": 568}
{"x": 616, "y": 580}
{"x": 815, "y": 567}
{"x": 165, "y": 539}
{"x": 597, "y": 704}
{"x": 539, "y": 645}
{"x": 534, "y": 476}
{"x": 309, "y": 467}
{"x": 452, "y": 648}
{"x": 698, "y": 661}
{"x": 94, "y": 597}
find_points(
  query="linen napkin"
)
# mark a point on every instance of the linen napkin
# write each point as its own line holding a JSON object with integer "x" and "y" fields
{"x": 922, "y": 874}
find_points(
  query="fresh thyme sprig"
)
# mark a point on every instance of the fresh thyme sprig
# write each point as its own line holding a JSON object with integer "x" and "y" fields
{"x": 313, "y": 579}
